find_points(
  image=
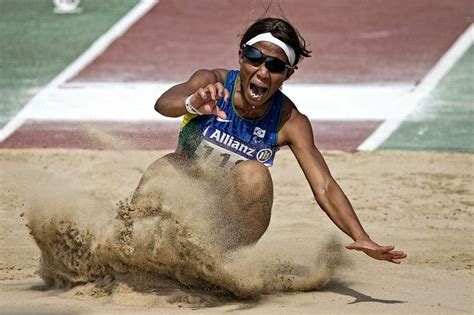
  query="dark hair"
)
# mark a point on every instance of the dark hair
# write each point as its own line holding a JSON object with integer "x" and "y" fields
{"x": 282, "y": 30}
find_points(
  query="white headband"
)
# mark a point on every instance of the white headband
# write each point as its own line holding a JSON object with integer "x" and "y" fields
{"x": 268, "y": 37}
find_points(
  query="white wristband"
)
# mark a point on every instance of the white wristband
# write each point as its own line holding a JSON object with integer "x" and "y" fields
{"x": 190, "y": 108}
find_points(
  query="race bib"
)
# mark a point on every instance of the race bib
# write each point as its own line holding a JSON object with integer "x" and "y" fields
{"x": 225, "y": 150}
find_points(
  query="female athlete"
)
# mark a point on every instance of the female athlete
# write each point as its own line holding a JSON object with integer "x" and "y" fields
{"x": 234, "y": 123}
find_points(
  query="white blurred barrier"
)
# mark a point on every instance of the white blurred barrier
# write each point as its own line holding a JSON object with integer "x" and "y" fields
{"x": 67, "y": 6}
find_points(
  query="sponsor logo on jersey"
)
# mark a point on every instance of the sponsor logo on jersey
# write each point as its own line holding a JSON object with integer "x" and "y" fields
{"x": 264, "y": 155}
{"x": 258, "y": 135}
{"x": 259, "y": 132}
{"x": 230, "y": 141}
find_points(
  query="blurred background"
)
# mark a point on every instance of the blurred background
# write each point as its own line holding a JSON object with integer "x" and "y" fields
{"x": 384, "y": 74}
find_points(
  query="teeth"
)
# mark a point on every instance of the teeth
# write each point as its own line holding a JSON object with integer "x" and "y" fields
{"x": 255, "y": 96}
{"x": 259, "y": 91}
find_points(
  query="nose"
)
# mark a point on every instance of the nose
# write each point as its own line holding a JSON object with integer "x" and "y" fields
{"x": 263, "y": 72}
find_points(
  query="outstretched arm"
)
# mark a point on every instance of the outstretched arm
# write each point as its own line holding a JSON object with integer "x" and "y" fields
{"x": 297, "y": 133}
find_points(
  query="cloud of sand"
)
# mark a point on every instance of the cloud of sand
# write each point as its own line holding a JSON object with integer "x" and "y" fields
{"x": 84, "y": 239}
{"x": 106, "y": 139}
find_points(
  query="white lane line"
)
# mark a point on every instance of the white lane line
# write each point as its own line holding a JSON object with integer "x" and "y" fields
{"x": 409, "y": 103}
{"x": 117, "y": 30}
{"x": 134, "y": 101}
{"x": 347, "y": 102}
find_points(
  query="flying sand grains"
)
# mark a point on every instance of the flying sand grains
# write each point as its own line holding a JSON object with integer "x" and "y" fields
{"x": 87, "y": 240}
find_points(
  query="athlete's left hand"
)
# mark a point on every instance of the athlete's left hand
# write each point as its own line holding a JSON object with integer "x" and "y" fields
{"x": 376, "y": 251}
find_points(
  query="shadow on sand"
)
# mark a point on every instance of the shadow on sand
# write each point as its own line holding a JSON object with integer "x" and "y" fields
{"x": 342, "y": 288}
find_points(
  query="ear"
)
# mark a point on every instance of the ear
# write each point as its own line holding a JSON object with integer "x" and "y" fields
{"x": 289, "y": 73}
{"x": 241, "y": 57}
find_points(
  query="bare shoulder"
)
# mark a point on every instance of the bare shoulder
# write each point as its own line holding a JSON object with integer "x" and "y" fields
{"x": 295, "y": 127}
{"x": 221, "y": 74}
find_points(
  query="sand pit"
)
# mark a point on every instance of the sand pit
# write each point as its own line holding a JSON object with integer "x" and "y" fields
{"x": 420, "y": 202}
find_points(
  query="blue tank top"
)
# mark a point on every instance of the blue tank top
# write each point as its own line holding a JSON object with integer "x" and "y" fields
{"x": 226, "y": 143}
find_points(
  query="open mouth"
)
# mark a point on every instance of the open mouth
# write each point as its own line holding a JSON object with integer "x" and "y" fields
{"x": 257, "y": 92}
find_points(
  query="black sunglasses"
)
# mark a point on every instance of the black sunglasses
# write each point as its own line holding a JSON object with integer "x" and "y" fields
{"x": 256, "y": 58}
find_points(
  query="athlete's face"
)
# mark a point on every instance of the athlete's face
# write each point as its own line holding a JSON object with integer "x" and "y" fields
{"x": 257, "y": 83}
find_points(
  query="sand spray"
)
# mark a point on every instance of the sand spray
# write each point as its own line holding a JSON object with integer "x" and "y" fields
{"x": 164, "y": 242}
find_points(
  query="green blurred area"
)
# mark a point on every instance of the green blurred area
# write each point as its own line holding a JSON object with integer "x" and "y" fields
{"x": 444, "y": 121}
{"x": 36, "y": 44}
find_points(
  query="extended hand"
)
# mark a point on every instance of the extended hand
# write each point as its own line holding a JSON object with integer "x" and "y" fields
{"x": 205, "y": 99}
{"x": 376, "y": 251}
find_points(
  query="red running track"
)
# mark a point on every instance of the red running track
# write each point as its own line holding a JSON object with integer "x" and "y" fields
{"x": 328, "y": 135}
{"x": 352, "y": 41}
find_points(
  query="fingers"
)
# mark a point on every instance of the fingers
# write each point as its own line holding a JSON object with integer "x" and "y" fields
{"x": 394, "y": 254}
{"x": 397, "y": 253}
{"x": 213, "y": 92}
{"x": 219, "y": 113}
{"x": 396, "y": 257}
{"x": 386, "y": 248}
{"x": 212, "y": 89}
{"x": 209, "y": 95}
{"x": 396, "y": 260}
{"x": 201, "y": 93}
{"x": 213, "y": 109}
{"x": 221, "y": 91}
{"x": 226, "y": 95}
{"x": 378, "y": 252}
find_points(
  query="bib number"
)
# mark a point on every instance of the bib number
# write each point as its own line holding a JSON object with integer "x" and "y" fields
{"x": 212, "y": 153}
